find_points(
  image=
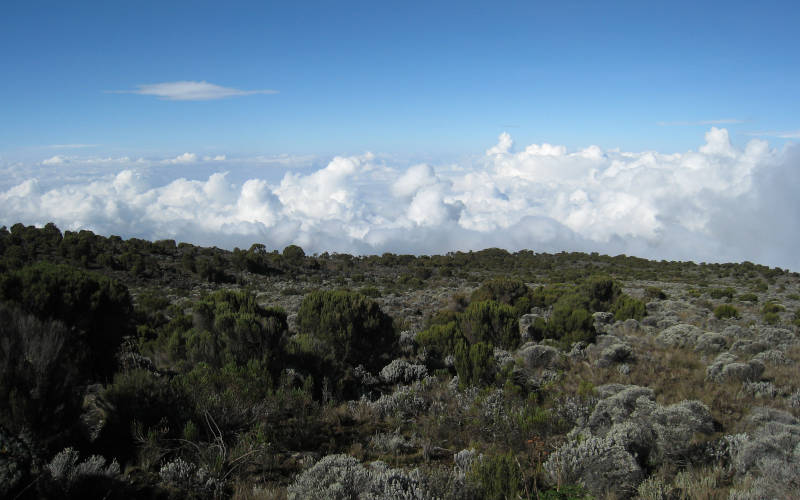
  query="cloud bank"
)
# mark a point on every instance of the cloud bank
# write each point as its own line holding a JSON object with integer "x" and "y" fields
{"x": 719, "y": 203}
{"x": 190, "y": 91}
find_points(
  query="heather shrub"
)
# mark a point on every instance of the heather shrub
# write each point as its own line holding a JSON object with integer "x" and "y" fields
{"x": 725, "y": 311}
{"x": 440, "y": 340}
{"x": 40, "y": 365}
{"x": 475, "y": 364}
{"x": 351, "y": 326}
{"x": 98, "y": 308}
{"x": 491, "y": 322}
{"x": 626, "y": 307}
{"x": 499, "y": 476}
{"x": 509, "y": 291}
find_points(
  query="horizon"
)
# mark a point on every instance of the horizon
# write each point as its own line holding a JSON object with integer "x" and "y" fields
{"x": 663, "y": 132}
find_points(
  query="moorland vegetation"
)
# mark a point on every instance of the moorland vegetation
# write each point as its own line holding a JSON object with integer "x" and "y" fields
{"x": 138, "y": 369}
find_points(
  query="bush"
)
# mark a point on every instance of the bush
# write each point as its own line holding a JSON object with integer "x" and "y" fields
{"x": 654, "y": 293}
{"x": 40, "y": 365}
{"x": 475, "y": 364}
{"x": 718, "y": 293}
{"x": 510, "y": 291}
{"x": 351, "y": 326}
{"x": 440, "y": 340}
{"x": 627, "y": 307}
{"x": 98, "y": 307}
{"x": 571, "y": 320}
{"x": 499, "y": 476}
{"x": 748, "y": 297}
{"x": 726, "y": 311}
{"x": 489, "y": 321}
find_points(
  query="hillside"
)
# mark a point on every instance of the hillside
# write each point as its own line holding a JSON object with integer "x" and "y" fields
{"x": 131, "y": 368}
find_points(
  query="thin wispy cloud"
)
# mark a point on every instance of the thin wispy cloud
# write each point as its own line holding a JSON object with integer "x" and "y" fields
{"x": 789, "y": 134}
{"x": 723, "y": 121}
{"x": 72, "y": 146}
{"x": 190, "y": 91}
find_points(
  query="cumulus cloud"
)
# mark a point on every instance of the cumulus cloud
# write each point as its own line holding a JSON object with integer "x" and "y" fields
{"x": 718, "y": 203}
{"x": 190, "y": 91}
{"x": 184, "y": 158}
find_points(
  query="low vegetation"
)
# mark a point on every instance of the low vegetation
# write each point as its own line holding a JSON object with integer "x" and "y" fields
{"x": 137, "y": 369}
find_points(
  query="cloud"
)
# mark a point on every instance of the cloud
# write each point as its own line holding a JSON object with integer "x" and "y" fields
{"x": 718, "y": 203}
{"x": 190, "y": 91}
{"x": 54, "y": 160}
{"x": 723, "y": 121}
{"x": 184, "y": 158}
{"x": 72, "y": 146}
{"x": 789, "y": 134}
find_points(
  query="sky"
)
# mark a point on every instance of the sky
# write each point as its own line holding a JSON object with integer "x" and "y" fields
{"x": 664, "y": 130}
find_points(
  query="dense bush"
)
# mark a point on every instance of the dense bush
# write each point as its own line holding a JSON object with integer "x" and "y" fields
{"x": 475, "y": 364}
{"x": 440, "y": 340}
{"x": 352, "y": 327}
{"x": 40, "y": 366}
{"x": 489, "y": 321}
{"x": 499, "y": 476}
{"x": 509, "y": 291}
{"x": 98, "y": 307}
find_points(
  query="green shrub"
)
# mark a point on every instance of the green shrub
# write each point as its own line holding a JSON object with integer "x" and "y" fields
{"x": 718, "y": 293}
{"x": 571, "y": 320}
{"x": 748, "y": 297}
{"x": 352, "y": 326}
{"x": 654, "y": 293}
{"x": 475, "y": 364}
{"x": 627, "y": 307}
{"x": 440, "y": 340}
{"x": 772, "y": 307}
{"x": 499, "y": 476}
{"x": 772, "y": 318}
{"x": 98, "y": 308}
{"x": 726, "y": 311}
{"x": 489, "y": 321}
{"x": 507, "y": 291}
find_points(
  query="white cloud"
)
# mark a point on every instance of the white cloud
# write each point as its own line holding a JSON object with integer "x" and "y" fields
{"x": 72, "y": 146}
{"x": 190, "y": 91}
{"x": 788, "y": 134}
{"x": 184, "y": 158}
{"x": 54, "y": 160}
{"x": 718, "y": 203}
{"x": 723, "y": 121}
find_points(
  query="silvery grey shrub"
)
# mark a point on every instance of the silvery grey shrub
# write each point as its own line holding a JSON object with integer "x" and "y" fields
{"x": 341, "y": 477}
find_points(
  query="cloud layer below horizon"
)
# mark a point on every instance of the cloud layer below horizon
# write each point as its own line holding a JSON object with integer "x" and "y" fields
{"x": 719, "y": 203}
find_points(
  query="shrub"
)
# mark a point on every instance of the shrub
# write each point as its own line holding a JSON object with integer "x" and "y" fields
{"x": 344, "y": 477}
{"x": 475, "y": 364}
{"x": 654, "y": 293}
{"x": 489, "y": 321}
{"x": 39, "y": 367}
{"x": 98, "y": 307}
{"x": 350, "y": 325}
{"x": 499, "y": 476}
{"x": 509, "y": 291}
{"x": 571, "y": 320}
{"x": 726, "y": 311}
{"x": 748, "y": 297}
{"x": 440, "y": 340}
{"x": 627, "y": 307}
{"x": 718, "y": 293}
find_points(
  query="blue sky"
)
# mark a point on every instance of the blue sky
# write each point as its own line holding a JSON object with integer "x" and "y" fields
{"x": 658, "y": 129}
{"x": 397, "y": 77}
